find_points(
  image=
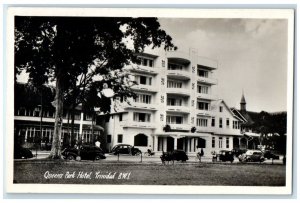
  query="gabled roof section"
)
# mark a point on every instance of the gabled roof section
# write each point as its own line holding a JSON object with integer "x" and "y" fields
{"x": 215, "y": 104}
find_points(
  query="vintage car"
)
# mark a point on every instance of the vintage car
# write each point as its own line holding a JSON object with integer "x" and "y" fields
{"x": 22, "y": 153}
{"x": 125, "y": 149}
{"x": 252, "y": 156}
{"x": 85, "y": 152}
{"x": 176, "y": 155}
{"x": 270, "y": 155}
{"x": 225, "y": 155}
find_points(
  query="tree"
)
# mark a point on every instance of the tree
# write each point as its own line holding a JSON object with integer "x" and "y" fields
{"x": 72, "y": 51}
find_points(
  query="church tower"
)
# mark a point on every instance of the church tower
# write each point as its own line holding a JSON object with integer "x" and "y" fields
{"x": 243, "y": 103}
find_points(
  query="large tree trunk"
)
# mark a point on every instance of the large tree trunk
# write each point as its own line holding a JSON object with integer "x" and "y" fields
{"x": 56, "y": 144}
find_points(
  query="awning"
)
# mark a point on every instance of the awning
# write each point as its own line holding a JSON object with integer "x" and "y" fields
{"x": 251, "y": 136}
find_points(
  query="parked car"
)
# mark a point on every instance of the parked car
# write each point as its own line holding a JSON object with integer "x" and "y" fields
{"x": 86, "y": 152}
{"x": 22, "y": 153}
{"x": 226, "y": 155}
{"x": 252, "y": 156}
{"x": 270, "y": 155}
{"x": 237, "y": 151}
{"x": 125, "y": 149}
{"x": 176, "y": 155}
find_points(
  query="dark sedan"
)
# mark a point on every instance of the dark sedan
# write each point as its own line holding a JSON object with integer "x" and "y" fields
{"x": 225, "y": 155}
{"x": 85, "y": 152}
{"x": 22, "y": 153}
{"x": 125, "y": 149}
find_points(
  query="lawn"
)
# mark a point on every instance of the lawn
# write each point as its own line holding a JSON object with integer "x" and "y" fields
{"x": 86, "y": 172}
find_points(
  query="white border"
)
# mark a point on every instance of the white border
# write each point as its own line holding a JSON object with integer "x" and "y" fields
{"x": 143, "y": 189}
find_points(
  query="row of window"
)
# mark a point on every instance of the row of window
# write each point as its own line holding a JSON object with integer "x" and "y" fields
{"x": 145, "y": 62}
{"x": 47, "y": 114}
{"x": 213, "y": 142}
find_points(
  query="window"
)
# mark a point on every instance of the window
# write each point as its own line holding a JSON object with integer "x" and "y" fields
{"x": 172, "y": 66}
{"x": 202, "y": 73}
{"x": 236, "y": 125}
{"x": 201, "y": 143}
{"x": 174, "y": 84}
{"x": 143, "y": 98}
{"x": 221, "y": 108}
{"x": 203, "y": 105}
{"x": 213, "y": 142}
{"x": 213, "y": 121}
{"x": 141, "y": 117}
{"x": 220, "y": 142}
{"x": 163, "y": 63}
{"x": 108, "y": 138}
{"x": 202, "y": 122}
{"x": 174, "y": 102}
{"x": 141, "y": 140}
{"x": 120, "y": 117}
{"x": 202, "y": 89}
{"x": 120, "y": 138}
{"x": 220, "y": 123}
{"x": 227, "y": 142}
{"x": 227, "y": 122}
{"x": 143, "y": 80}
{"x": 174, "y": 119}
{"x": 145, "y": 61}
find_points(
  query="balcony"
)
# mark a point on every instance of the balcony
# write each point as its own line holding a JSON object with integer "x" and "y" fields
{"x": 207, "y": 63}
{"x": 179, "y": 74}
{"x": 206, "y": 96}
{"x": 179, "y": 109}
{"x": 179, "y": 91}
{"x": 203, "y": 112}
{"x": 144, "y": 106}
{"x": 146, "y": 88}
{"x": 186, "y": 127}
{"x": 178, "y": 57}
{"x": 135, "y": 124}
{"x": 142, "y": 69}
{"x": 210, "y": 81}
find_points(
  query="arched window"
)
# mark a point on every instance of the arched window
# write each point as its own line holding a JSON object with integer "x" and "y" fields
{"x": 141, "y": 140}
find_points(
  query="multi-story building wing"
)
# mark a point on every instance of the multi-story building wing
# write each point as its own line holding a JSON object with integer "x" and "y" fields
{"x": 175, "y": 107}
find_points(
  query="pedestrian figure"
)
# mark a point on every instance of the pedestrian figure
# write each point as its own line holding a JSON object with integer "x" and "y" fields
{"x": 97, "y": 143}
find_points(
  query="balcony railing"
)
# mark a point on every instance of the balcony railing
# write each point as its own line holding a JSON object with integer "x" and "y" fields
{"x": 149, "y": 88}
{"x": 135, "y": 124}
{"x": 180, "y": 74}
{"x": 179, "y": 57}
{"x": 145, "y": 106}
{"x": 203, "y": 112}
{"x": 211, "y": 64}
{"x": 211, "y": 81}
{"x": 180, "y": 91}
{"x": 180, "y": 109}
{"x": 180, "y": 126}
{"x": 142, "y": 69}
{"x": 206, "y": 96}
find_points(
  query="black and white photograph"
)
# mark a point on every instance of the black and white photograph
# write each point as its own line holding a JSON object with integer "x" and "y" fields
{"x": 155, "y": 101}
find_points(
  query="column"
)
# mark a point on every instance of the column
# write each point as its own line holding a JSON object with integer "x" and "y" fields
{"x": 183, "y": 144}
{"x": 81, "y": 125}
{"x": 175, "y": 143}
{"x": 247, "y": 144}
{"x": 188, "y": 145}
{"x": 239, "y": 142}
{"x": 196, "y": 142}
{"x": 155, "y": 143}
{"x": 26, "y": 132}
{"x": 192, "y": 144}
{"x": 164, "y": 144}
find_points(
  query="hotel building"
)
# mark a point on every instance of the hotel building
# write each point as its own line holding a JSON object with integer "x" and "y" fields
{"x": 175, "y": 107}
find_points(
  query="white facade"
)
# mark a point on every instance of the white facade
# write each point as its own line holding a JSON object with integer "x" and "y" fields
{"x": 175, "y": 89}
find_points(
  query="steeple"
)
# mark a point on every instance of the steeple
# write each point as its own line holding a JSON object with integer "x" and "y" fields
{"x": 243, "y": 102}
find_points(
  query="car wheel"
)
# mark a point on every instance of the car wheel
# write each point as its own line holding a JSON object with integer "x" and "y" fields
{"x": 138, "y": 153}
{"x": 70, "y": 157}
{"x": 97, "y": 157}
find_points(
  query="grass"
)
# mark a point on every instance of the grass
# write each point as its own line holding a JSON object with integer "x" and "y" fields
{"x": 224, "y": 174}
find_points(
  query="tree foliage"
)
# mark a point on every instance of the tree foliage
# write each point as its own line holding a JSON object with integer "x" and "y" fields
{"x": 73, "y": 51}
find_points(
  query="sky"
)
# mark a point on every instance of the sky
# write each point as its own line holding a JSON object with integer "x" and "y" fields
{"x": 251, "y": 55}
